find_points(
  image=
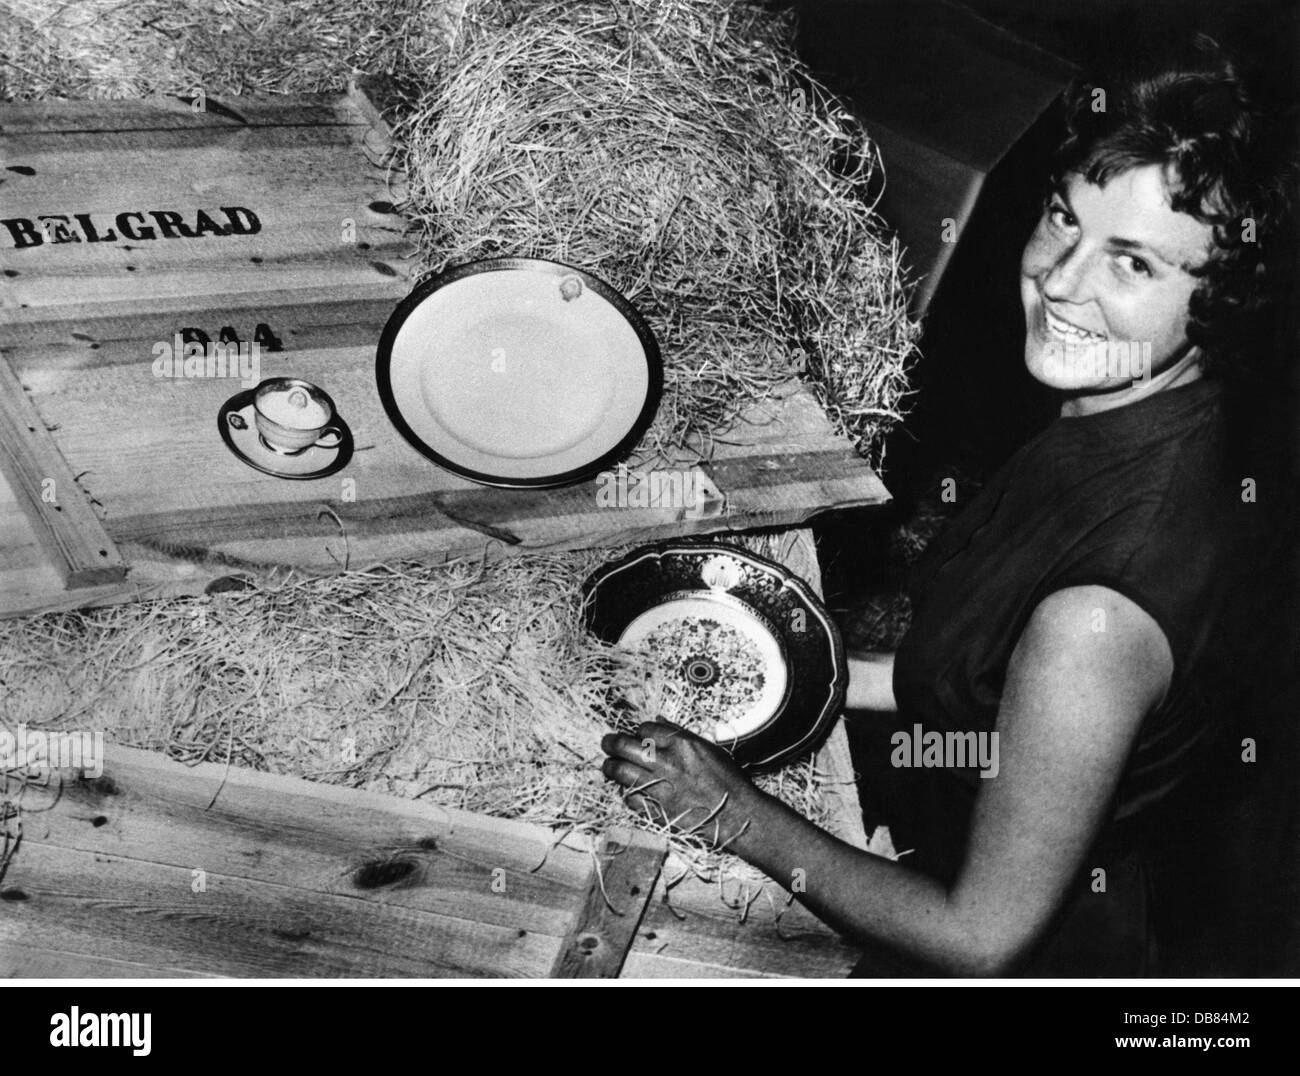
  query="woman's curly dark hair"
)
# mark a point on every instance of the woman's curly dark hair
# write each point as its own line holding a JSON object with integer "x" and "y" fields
{"x": 1230, "y": 163}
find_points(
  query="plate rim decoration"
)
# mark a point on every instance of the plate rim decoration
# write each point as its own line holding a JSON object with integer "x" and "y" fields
{"x": 629, "y": 313}
{"x": 811, "y": 728}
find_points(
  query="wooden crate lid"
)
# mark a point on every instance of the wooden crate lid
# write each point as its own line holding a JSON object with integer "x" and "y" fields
{"x": 137, "y": 207}
{"x": 320, "y": 275}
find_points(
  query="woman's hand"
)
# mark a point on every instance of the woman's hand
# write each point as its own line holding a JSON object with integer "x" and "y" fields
{"x": 681, "y": 779}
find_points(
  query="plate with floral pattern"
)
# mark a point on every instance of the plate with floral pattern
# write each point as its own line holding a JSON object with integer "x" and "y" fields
{"x": 737, "y": 648}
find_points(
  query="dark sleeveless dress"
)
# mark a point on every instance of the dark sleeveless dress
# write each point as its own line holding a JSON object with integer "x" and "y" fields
{"x": 1137, "y": 499}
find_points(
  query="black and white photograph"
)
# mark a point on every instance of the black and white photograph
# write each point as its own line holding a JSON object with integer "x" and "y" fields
{"x": 674, "y": 492}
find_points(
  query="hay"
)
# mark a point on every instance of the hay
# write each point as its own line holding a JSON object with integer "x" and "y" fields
{"x": 109, "y": 49}
{"x": 678, "y": 149}
{"x": 471, "y": 685}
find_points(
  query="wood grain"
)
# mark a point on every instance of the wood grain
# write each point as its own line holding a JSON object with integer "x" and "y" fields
{"x": 173, "y": 113}
{"x": 27, "y": 961}
{"x": 212, "y": 871}
{"x": 144, "y": 912}
{"x": 839, "y": 785}
{"x": 170, "y": 485}
{"x": 314, "y": 169}
{"x": 694, "y": 934}
{"x": 62, "y": 520}
{"x": 598, "y": 939}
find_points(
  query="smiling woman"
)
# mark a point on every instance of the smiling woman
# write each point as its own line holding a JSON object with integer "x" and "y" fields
{"x": 1112, "y": 264}
{"x": 1065, "y": 614}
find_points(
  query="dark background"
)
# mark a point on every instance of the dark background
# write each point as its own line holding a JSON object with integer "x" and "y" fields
{"x": 1237, "y": 864}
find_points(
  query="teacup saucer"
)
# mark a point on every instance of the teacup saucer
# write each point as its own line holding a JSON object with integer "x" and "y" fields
{"x": 236, "y": 421}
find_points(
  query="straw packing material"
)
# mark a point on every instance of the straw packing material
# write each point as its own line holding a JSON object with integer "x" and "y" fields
{"x": 111, "y": 49}
{"x": 473, "y": 685}
{"x": 678, "y": 149}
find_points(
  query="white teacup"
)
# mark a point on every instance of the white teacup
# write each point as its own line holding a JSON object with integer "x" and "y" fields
{"x": 293, "y": 415}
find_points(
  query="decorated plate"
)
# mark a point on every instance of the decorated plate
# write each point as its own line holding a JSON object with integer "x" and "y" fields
{"x": 740, "y": 651}
{"x": 520, "y": 373}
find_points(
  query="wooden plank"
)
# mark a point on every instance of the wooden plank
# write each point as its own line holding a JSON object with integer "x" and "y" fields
{"x": 26, "y": 961}
{"x": 646, "y": 965}
{"x": 312, "y": 170}
{"x": 171, "y": 487}
{"x": 695, "y": 931}
{"x": 74, "y": 151}
{"x": 41, "y": 277}
{"x": 296, "y": 879}
{"x": 183, "y": 511}
{"x": 283, "y": 269}
{"x": 240, "y": 168}
{"x": 172, "y": 113}
{"x": 468, "y": 866}
{"x": 30, "y": 582}
{"x": 834, "y": 761}
{"x": 262, "y": 805}
{"x": 144, "y": 912}
{"x": 597, "y": 943}
{"x": 35, "y": 339}
{"x": 65, "y": 338}
{"x": 62, "y": 519}
{"x": 840, "y": 788}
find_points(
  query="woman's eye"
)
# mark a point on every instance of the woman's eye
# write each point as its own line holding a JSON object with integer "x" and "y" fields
{"x": 1060, "y": 216}
{"x": 1134, "y": 265}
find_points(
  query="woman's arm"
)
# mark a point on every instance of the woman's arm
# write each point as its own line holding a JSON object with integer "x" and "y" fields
{"x": 1073, "y": 701}
{"x": 871, "y": 681}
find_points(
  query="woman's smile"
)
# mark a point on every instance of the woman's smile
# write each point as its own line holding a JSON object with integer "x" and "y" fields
{"x": 1067, "y": 331}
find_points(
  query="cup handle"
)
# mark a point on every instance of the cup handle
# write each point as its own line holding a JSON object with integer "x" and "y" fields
{"x": 324, "y": 440}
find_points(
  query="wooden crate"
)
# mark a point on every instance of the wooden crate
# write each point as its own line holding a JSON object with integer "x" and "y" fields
{"x": 286, "y": 180}
{"x": 106, "y": 874}
{"x": 82, "y": 319}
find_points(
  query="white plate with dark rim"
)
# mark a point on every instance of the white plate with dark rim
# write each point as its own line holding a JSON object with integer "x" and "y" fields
{"x": 519, "y": 373}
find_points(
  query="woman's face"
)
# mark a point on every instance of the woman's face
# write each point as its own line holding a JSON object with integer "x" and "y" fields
{"x": 1105, "y": 284}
